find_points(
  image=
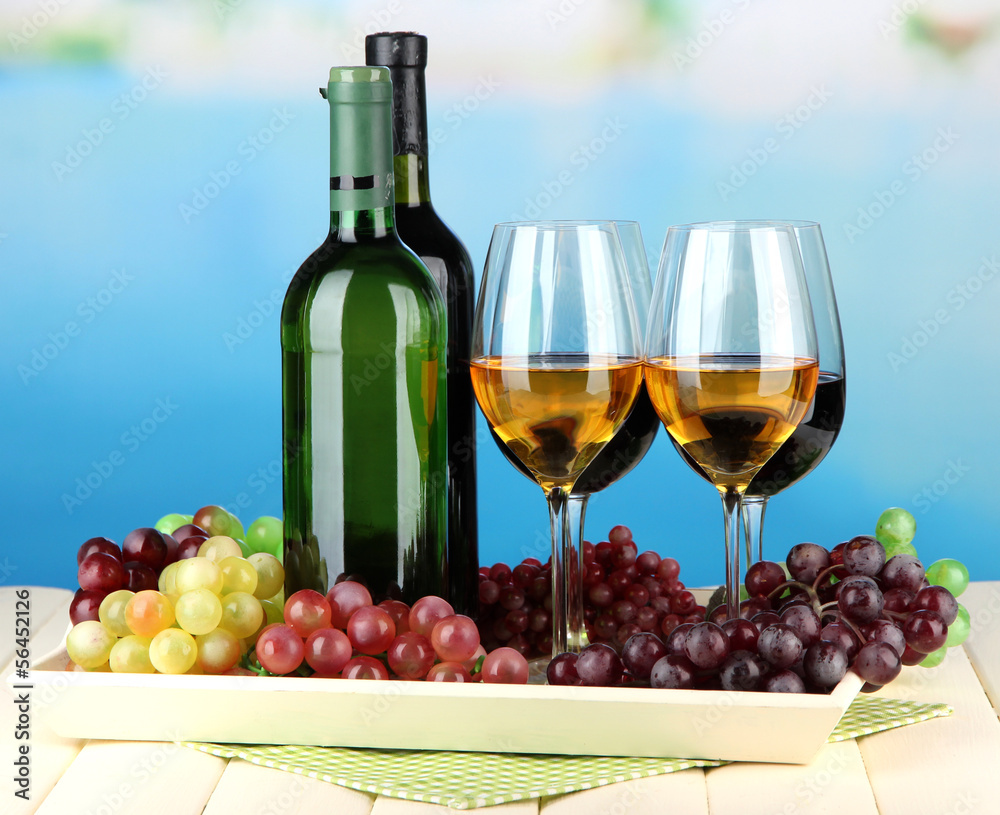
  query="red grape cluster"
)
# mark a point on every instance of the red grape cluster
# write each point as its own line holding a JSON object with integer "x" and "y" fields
{"x": 344, "y": 635}
{"x": 624, "y": 593}
{"x": 848, "y": 608}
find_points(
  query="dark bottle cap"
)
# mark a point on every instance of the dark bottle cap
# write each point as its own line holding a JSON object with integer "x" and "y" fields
{"x": 396, "y": 49}
{"x": 405, "y": 55}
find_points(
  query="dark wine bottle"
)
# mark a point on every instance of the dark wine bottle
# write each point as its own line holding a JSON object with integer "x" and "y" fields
{"x": 420, "y": 228}
{"x": 363, "y": 338}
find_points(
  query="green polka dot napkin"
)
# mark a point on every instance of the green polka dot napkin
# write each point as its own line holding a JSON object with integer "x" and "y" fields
{"x": 470, "y": 780}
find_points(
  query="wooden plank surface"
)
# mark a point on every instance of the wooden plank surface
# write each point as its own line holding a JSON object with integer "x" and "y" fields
{"x": 682, "y": 793}
{"x": 397, "y": 806}
{"x": 45, "y": 604}
{"x": 983, "y": 645}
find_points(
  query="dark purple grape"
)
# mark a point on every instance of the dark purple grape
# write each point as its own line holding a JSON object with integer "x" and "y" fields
{"x": 145, "y": 545}
{"x": 742, "y": 670}
{"x": 753, "y": 606}
{"x": 850, "y": 580}
{"x": 763, "y": 577}
{"x": 825, "y": 663}
{"x": 899, "y": 600}
{"x": 641, "y": 652}
{"x": 189, "y": 547}
{"x": 181, "y": 533}
{"x": 623, "y": 611}
{"x": 599, "y": 665}
{"x": 843, "y": 636}
{"x": 885, "y": 631}
{"x": 779, "y": 645}
{"x": 674, "y": 672}
{"x": 101, "y": 572}
{"x": 675, "y": 639}
{"x": 139, "y": 577}
{"x": 806, "y": 560}
{"x": 511, "y": 597}
{"x": 925, "y": 631}
{"x": 903, "y": 572}
{"x": 764, "y": 619}
{"x": 600, "y": 595}
{"x": 105, "y": 545}
{"x": 172, "y": 547}
{"x": 938, "y": 599}
{"x": 784, "y": 682}
{"x": 489, "y": 592}
{"x": 706, "y": 645}
{"x": 864, "y": 555}
{"x": 742, "y": 635}
{"x": 860, "y": 602}
{"x": 85, "y": 605}
{"x": 648, "y": 563}
{"x": 625, "y": 632}
{"x": 562, "y": 670}
{"x": 877, "y": 662}
{"x": 912, "y": 657}
{"x": 804, "y": 622}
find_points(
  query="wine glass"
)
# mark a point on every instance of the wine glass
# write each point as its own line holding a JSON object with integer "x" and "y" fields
{"x": 556, "y": 367}
{"x": 812, "y": 439}
{"x": 635, "y": 436}
{"x": 731, "y": 354}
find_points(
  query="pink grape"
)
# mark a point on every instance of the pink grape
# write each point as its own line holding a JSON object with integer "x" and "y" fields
{"x": 327, "y": 651}
{"x": 506, "y": 666}
{"x": 448, "y": 672}
{"x": 410, "y": 655}
{"x": 400, "y": 613}
{"x": 455, "y": 638}
{"x": 371, "y": 630}
{"x": 364, "y": 668}
{"x": 307, "y": 611}
{"x": 344, "y": 599}
{"x": 279, "y": 649}
{"x": 426, "y": 612}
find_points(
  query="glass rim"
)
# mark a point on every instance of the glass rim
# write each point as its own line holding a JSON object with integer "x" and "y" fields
{"x": 742, "y": 225}
{"x": 561, "y": 224}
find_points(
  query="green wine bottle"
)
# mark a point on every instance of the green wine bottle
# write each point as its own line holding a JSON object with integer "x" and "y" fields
{"x": 420, "y": 228}
{"x": 363, "y": 339}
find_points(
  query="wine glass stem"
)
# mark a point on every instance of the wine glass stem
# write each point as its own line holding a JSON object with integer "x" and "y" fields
{"x": 567, "y": 617}
{"x": 753, "y": 526}
{"x": 731, "y": 507}
{"x": 576, "y": 509}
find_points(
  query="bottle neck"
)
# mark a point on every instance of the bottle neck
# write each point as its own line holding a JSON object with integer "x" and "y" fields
{"x": 360, "y": 225}
{"x": 412, "y": 185}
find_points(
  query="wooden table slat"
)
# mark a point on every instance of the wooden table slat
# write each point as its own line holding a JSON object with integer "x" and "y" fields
{"x": 397, "y": 806}
{"x": 682, "y": 793}
{"x": 983, "y": 644}
{"x": 45, "y": 605}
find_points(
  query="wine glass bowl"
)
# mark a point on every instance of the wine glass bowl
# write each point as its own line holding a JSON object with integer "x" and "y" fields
{"x": 731, "y": 360}
{"x": 556, "y": 367}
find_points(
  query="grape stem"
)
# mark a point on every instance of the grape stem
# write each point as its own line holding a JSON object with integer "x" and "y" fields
{"x": 795, "y": 584}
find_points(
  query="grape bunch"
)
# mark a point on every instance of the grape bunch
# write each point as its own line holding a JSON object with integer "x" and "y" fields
{"x": 625, "y": 592}
{"x": 345, "y": 635}
{"x": 849, "y": 608}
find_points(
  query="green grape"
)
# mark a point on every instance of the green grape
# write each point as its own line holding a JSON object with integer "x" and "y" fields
{"x": 112, "y": 612}
{"x": 218, "y": 547}
{"x": 958, "y": 631}
{"x": 949, "y": 573}
{"x": 198, "y": 611}
{"x": 934, "y": 659}
{"x": 893, "y": 549}
{"x": 235, "y": 527}
{"x": 895, "y": 526}
{"x": 245, "y": 550}
{"x": 173, "y": 651}
{"x": 168, "y": 523}
{"x": 270, "y": 575}
{"x": 265, "y": 535}
{"x": 218, "y": 651}
{"x": 198, "y": 573}
{"x": 89, "y": 644}
{"x": 242, "y": 614}
{"x": 238, "y": 574}
{"x": 130, "y": 655}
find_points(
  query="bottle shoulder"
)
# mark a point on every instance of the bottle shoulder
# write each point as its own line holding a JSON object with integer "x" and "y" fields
{"x": 425, "y": 232}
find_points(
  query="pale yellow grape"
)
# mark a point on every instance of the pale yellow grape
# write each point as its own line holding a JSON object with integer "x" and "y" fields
{"x": 218, "y": 651}
{"x": 272, "y": 614}
{"x": 219, "y": 547}
{"x": 198, "y": 573}
{"x": 198, "y": 611}
{"x": 112, "y": 612}
{"x": 130, "y": 655}
{"x": 167, "y": 582}
{"x": 89, "y": 644}
{"x": 238, "y": 574}
{"x": 173, "y": 651}
{"x": 241, "y": 614}
{"x": 270, "y": 574}
{"x": 148, "y": 613}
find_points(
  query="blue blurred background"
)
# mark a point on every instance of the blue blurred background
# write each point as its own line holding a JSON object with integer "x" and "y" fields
{"x": 163, "y": 172}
